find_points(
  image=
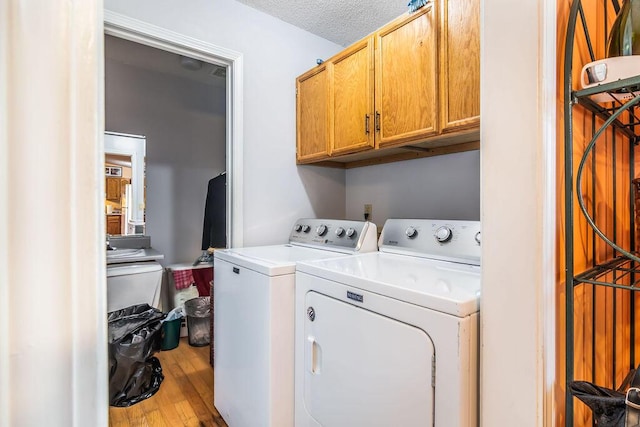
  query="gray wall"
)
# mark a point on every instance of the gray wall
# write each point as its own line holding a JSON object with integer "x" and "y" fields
{"x": 184, "y": 122}
{"x": 445, "y": 187}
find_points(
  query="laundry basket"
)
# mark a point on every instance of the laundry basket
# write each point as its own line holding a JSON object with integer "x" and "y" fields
{"x": 185, "y": 281}
{"x": 198, "y": 312}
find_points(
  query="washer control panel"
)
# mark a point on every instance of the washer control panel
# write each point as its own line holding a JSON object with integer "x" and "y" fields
{"x": 341, "y": 234}
{"x": 457, "y": 241}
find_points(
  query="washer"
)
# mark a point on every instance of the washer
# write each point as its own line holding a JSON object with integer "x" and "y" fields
{"x": 254, "y": 318}
{"x": 391, "y": 338}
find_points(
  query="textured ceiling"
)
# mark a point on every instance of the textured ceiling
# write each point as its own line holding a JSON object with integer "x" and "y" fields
{"x": 340, "y": 21}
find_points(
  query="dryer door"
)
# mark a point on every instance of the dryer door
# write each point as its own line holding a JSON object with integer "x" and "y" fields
{"x": 365, "y": 369}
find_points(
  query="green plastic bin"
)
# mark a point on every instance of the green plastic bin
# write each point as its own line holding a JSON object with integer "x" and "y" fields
{"x": 171, "y": 334}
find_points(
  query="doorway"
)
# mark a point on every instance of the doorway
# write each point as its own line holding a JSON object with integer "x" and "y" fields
{"x": 132, "y": 30}
{"x": 201, "y": 65}
{"x": 177, "y": 104}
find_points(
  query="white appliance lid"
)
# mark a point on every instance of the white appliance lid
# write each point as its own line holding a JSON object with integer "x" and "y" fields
{"x": 447, "y": 287}
{"x": 114, "y": 270}
{"x": 273, "y": 260}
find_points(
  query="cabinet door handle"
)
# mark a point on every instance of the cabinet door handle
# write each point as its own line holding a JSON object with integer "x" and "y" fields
{"x": 366, "y": 123}
{"x": 377, "y": 121}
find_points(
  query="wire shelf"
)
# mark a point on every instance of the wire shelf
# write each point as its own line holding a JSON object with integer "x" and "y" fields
{"x": 619, "y": 93}
{"x": 620, "y": 86}
{"x": 620, "y": 273}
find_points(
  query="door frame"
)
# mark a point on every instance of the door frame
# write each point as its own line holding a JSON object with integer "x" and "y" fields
{"x": 141, "y": 32}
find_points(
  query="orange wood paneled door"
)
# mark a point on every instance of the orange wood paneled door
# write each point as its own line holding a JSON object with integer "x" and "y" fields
{"x": 601, "y": 316}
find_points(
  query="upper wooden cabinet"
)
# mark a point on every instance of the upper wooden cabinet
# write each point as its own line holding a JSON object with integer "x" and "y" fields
{"x": 351, "y": 101}
{"x": 113, "y": 189}
{"x": 460, "y": 64}
{"x": 312, "y": 110}
{"x": 406, "y": 79}
{"x": 411, "y": 89}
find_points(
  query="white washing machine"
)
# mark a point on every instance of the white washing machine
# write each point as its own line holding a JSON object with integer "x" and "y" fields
{"x": 391, "y": 338}
{"x": 254, "y": 318}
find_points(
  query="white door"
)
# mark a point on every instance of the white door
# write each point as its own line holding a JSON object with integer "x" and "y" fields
{"x": 365, "y": 369}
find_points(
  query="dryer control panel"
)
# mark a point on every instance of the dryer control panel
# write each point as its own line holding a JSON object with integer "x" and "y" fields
{"x": 340, "y": 235}
{"x": 456, "y": 241}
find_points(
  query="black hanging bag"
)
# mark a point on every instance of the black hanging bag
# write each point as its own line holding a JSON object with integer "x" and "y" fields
{"x": 611, "y": 408}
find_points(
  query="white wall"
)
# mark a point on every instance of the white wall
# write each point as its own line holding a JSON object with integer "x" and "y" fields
{"x": 518, "y": 212}
{"x": 53, "y": 333}
{"x": 184, "y": 124}
{"x": 276, "y": 191}
{"x": 444, "y": 187}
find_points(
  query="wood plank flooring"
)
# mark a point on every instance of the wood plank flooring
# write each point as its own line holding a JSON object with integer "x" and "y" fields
{"x": 185, "y": 397}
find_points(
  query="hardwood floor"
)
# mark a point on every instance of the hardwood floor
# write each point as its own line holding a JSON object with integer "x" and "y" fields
{"x": 185, "y": 397}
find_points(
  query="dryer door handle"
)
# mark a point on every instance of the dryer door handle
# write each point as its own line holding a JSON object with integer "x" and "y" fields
{"x": 314, "y": 356}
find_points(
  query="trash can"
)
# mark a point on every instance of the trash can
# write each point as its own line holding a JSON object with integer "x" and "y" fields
{"x": 198, "y": 312}
{"x": 171, "y": 334}
{"x": 183, "y": 282}
{"x": 134, "y": 336}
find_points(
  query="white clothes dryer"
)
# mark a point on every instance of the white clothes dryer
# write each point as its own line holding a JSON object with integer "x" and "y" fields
{"x": 391, "y": 338}
{"x": 254, "y": 318}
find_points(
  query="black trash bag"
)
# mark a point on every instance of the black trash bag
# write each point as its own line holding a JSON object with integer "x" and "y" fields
{"x": 135, "y": 334}
{"x": 607, "y": 405}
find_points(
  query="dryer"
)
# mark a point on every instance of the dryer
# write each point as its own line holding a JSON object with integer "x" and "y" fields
{"x": 391, "y": 338}
{"x": 254, "y": 318}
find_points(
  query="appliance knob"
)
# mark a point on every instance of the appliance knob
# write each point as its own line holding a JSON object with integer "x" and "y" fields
{"x": 443, "y": 234}
{"x": 306, "y": 228}
{"x": 478, "y": 235}
{"x": 351, "y": 233}
{"x": 411, "y": 232}
{"x": 297, "y": 228}
{"x": 339, "y": 231}
{"x": 321, "y": 230}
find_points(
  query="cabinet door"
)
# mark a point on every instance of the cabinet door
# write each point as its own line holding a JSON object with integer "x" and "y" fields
{"x": 460, "y": 64}
{"x": 113, "y": 224}
{"x": 351, "y": 77}
{"x": 113, "y": 189}
{"x": 312, "y": 108}
{"x": 406, "y": 76}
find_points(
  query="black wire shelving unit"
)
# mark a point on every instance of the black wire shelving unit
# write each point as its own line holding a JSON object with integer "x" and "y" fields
{"x": 622, "y": 270}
